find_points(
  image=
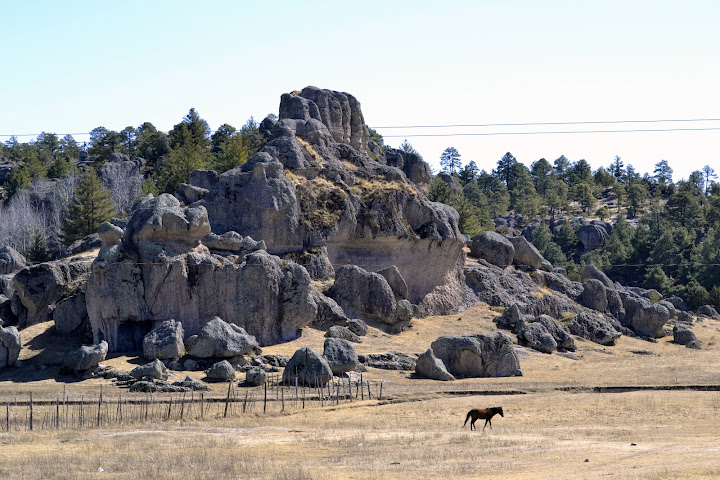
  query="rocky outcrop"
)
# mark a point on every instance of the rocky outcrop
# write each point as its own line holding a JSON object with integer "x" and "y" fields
{"x": 338, "y": 331}
{"x": 315, "y": 184}
{"x": 255, "y": 376}
{"x": 683, "y": 335}
{"x": 162, "y": 271}
{"x": 644, "y": 318}
{"x": 10, "y": 260}
{"x": 592, "y": 237}
{"x": 480, "y": 355}
{"x": 10, "y": 345}
{"x": 155, "y": 369}
{"x": 70, "y": 313}
{"x": 221, "y": 372}
{"x": 493, "y": 248}
{"x": 537, "y": 337}
{"x": 596, "y": 328}
{"x": 708, "y": 311}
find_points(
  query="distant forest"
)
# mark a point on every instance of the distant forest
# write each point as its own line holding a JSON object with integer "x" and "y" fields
{"x": 665, "y": 235}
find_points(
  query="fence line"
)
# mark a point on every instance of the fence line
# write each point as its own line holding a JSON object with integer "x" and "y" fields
{"x": 124, "y": 408}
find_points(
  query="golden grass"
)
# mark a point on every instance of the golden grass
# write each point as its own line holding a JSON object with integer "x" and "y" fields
{"x": 308, "y": 148}
{"x": 548, "y": 432}
{"x": 380, "y": 189}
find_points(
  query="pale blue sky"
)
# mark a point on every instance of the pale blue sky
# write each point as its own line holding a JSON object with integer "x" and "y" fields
{"x": 72, "y": 66}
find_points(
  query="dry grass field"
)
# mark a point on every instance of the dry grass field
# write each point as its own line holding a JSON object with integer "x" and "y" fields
{"x": 557, "y": 423}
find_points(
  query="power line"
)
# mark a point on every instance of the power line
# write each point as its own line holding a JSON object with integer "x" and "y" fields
{"x": 483, "y": 125}
{"x": 552, "y": 132}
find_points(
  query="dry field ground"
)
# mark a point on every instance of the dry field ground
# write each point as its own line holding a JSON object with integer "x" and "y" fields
{"x": 557, "y": 423}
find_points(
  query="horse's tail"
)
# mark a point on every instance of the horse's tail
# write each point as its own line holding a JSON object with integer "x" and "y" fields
{"x": 466, "y": 419}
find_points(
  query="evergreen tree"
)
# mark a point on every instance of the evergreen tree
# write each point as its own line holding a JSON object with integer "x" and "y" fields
{"x": 543, "y": 241}
{"x": 90, "y": 207}
{"x": 656, "y": 279}
{"x": 406, "y": 147}
{"x": 177, "y": 165}
{"x": 566, "y": 238}
{"x": 450, "y": 160}
{"x": 38, "y": 251}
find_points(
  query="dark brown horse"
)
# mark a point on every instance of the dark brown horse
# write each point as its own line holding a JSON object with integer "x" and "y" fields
{"x": 483, "y": 414}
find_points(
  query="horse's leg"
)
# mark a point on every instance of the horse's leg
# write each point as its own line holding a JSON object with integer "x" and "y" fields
{"x": 472, "y": 424}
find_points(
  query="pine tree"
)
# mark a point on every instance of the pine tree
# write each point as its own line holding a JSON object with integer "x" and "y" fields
{"x": 90, "y": 207}
{"x": 38, "y": 251}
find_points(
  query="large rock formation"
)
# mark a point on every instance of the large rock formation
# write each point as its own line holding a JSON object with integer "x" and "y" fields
{"x": 10, "y": 260}
{"x": 319, "y": 182}
{"x": 480, "y": 355}
{"x": 162, "y": 271}
{"x": 494, "y": 248}
{"x": 10, "y": 345}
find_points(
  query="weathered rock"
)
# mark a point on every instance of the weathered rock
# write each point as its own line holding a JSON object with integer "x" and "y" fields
{"x": 357, "y": 326}
{"x": 188, "y": 194}
{"x": 537, "y": 337}
{"x": 315, "y": 260}
{"x": 389, "y": 361}
{"x": 594, "y": 295}
{"x": 40, "y": 286}
{"x": 592, "y": 272}
{"x": 164, "y": 221}
{"x": 191, "y": 384}
{"x": 340, "y": 355}
{"x": 559, "y": 332}
{"x": 683, "y": 335}
{"x": 416, "y": 170}
{"x": 429, "y": 366}
{"x": 480, "y": 355}
{"x": 86, "y": 357}
{"x": 646, "y": 319}
{"x": 204, "y": 178}
{"x": 708, "y": 311}
{"x": 110, "y": 234}
{"x": 527, "y": 254}
{"x": 221, "y": 372}
{"x": 232, "y": 242}
{"x": 223, "y": 340}
{"x": 338, "y": 331}
{"x": 493, "y": 248}
{"x": 10, "y": 345}
{"x": 678, "y": 303}
{"x": 10, "y": 260}
{"x": 255, "y": 376}
{"x": 308, "y": 368}
{"x": 85, "y": 244}
{"x": 512, "y": 319}
{"x": 70, "y": 313}
{"x": 155, "y": 369}
{"x": 685, "y": 317}
{"x": 367, "y": 295}
{"x": 592, "y": 236}
{"x": 166, "y": 341}
{"x": 395, "y": 280}
{"x": 329, "y": 312}
{"x": 594, "y": 328}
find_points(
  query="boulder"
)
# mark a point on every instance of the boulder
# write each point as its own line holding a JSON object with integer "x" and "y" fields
{"x": 593, "y": 272}
{"x": 678, "y": 303}
{"x": 594, "y": 295}
{"x": 595, "y": 328}
{"x": 537, "y": 337}
{"x": 416, "y": 170}
{"x": 10, "y": 344}
{"x": 708, "y": 311}
{"x": 395, "y": 280}
{"x": 204, "y": 178}
{"x": 683, "y": 335}
{"x": 86, "y": 357}
{"x": 644, "y": 318}
{"x": 429, "y": 366}
{"x": 389, "y": 361}
{"x": 165, "y": 342}
{"x": 110, "y": 234}
{"x": 308, "y": 368}
{"x": 493, "y": 248}
{"x": 512, "y": 319}
{"x": 329, "y": 312}
{"x": 219, "y": 339}
{"x": 256, "y": 376}
{"x": 340, "y": 355}
{"x": 368, "y": 295}
{"x": 357, "y": 326}
{"x": 85, "y": 244}
{"x": 221, "y": 372}
{"x": 10, "y": 260}
{"x": 70, "y": 313}
{"x": 527, "y": 254}
{"x": 559, "y": 332}
{"x": 338, "y": 331}
{"x": 155, "y": 369}
{"x": 685, "y": 317}
{"x": 188, "y": 194}
{"x": 480, "y": 355}
{"x": 40, "y": 286}
{"x": 232, "y": 242}
{"x": 592, "y": 237}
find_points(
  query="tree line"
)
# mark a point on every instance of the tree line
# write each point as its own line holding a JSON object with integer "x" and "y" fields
{"x": 54, "y": 196}
{"x": 665, "y": 235}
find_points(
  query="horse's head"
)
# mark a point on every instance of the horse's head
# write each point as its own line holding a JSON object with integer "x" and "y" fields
{"x": 498, "y": 410}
